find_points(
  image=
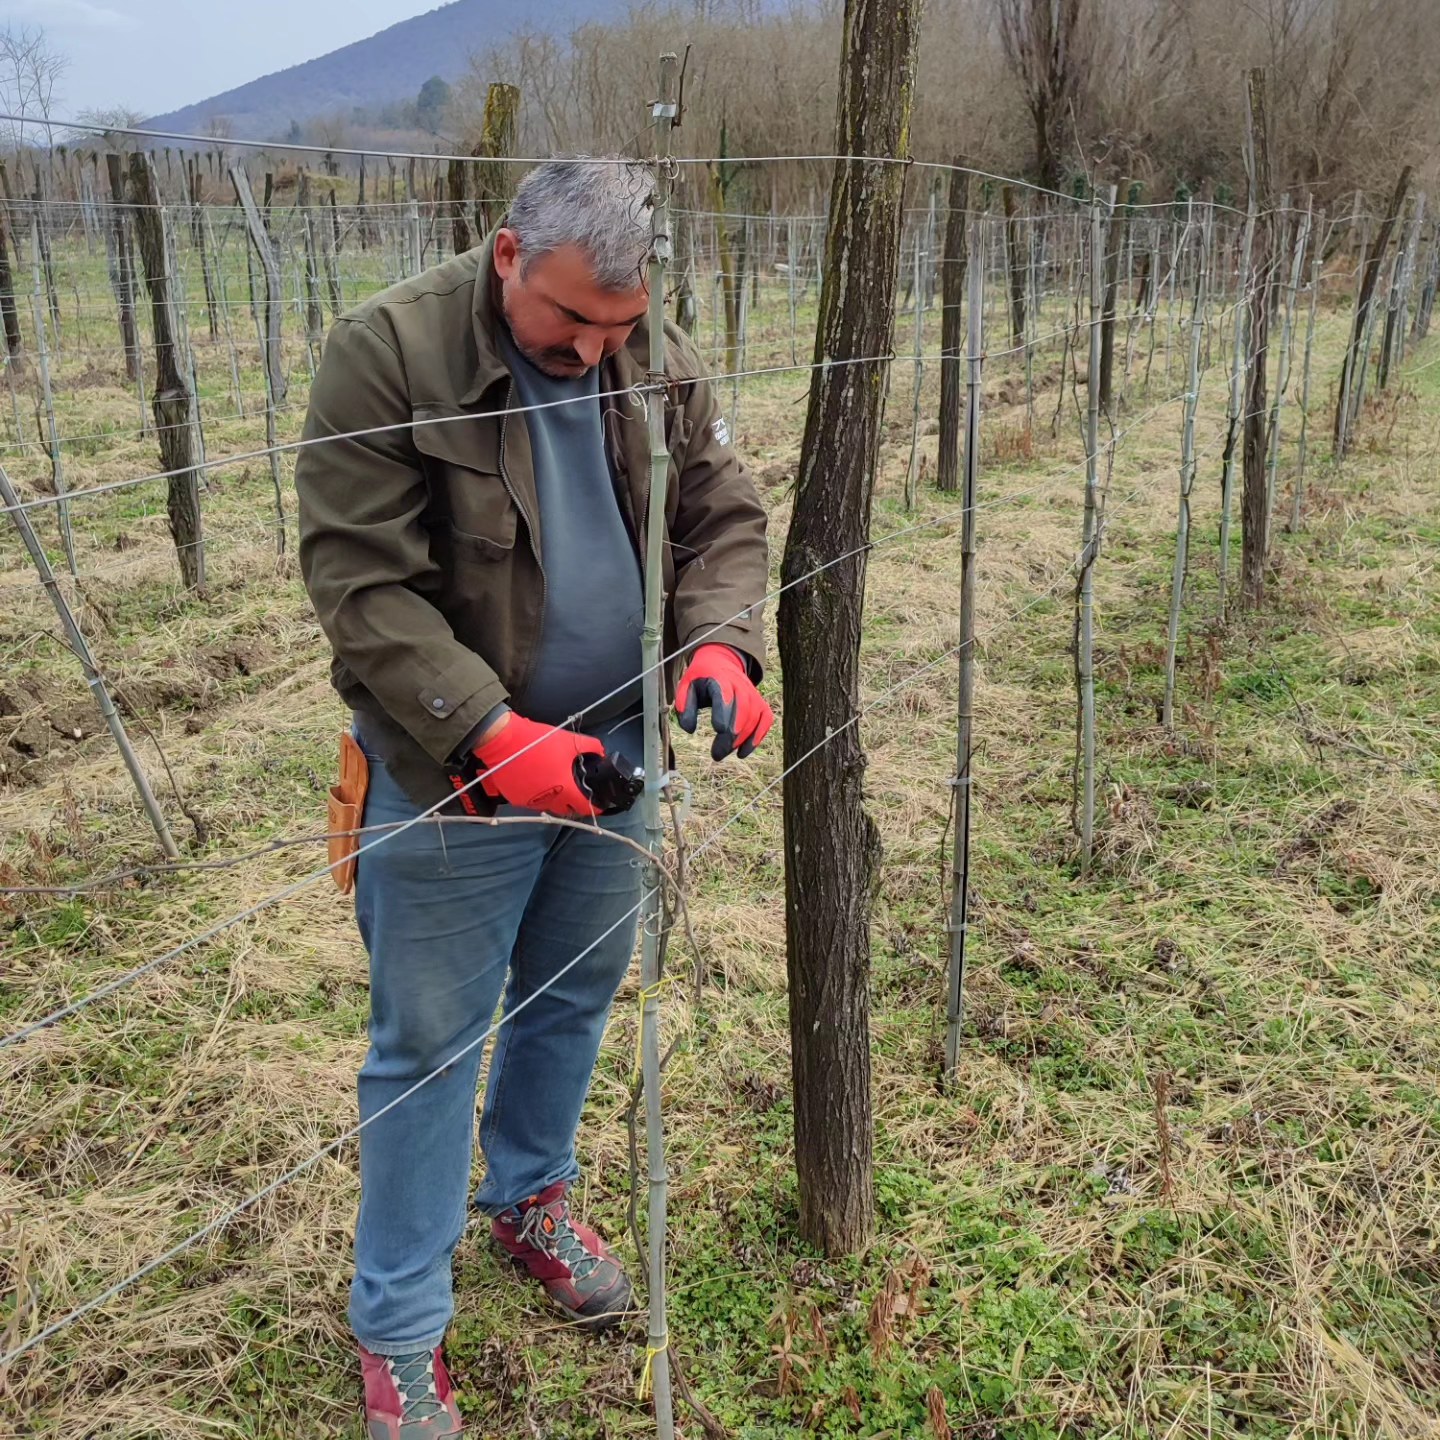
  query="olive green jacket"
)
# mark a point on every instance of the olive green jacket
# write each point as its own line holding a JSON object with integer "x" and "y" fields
{"x": 419, "y": 524}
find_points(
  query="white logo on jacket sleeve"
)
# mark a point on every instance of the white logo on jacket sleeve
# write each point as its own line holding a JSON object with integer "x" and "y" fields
{"x": 721, "y": 430}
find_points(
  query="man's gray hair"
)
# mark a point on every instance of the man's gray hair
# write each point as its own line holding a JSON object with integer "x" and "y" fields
{"x": 600, "y": 204}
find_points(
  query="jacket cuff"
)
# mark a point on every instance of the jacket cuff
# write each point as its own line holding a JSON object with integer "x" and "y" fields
{"x": 738, "y": 639}
{"x": 467, "y": 745}
{"x": 453, "y": 704}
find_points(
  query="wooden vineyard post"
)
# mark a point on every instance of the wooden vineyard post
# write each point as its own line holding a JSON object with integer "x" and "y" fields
{"x": 1100, "y": 212}
{"x": 314, "y": 315}
{"x": 433, "y": 217}
{"x": 1347, "y": 407}
{"x": 687, "y": 308}
{"x": 1362, "y": 368}
{"x": 958, "y": 921}
{"x": 173, "y": 396}
{"x": 832, "y": 845}
{"x": 414, "y": 250}
{"x": 1392, "y": 350}
{"x": 80, "y": 647}
{"x": 1410, "y": 295}
{"x": 9, "y": 313}
{"x": 1015, "y": 266}
{"x": 931, "y": 267}
{"x": 40, "y": 232}
{"x": 1116, "y": 227}
{"x": 362, "y": 213}
{"x": 47, "y": 398}
{"x": 198, "y": 235}
{"x": 1187, "y": 465}
{"x": 459, "y": 188}
{"x": 125, "y": 282}
{"x": 1282, "y": 379}
{"x": 1347, "y": 377}
{"x": 727, "y": 275}
{"x": 1254, "y": 502}
{"x": 88, "y": 209}
{"x": 225, "y": 321}
{"x": 1236, "y": 409}
{"x": 275, "y": 387}
{"x": 1385, "y": 358}
{"x": 952, "y": 332}
{"x": 1425, "y": 303}
{"x": 332, "y": 258}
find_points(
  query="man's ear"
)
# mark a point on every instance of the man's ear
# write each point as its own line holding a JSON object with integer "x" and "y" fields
{"x": 507, "y": 253}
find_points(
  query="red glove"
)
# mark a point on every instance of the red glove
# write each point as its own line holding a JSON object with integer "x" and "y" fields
{"x": 543, "y": 778}
{"x": 717, "y": 677}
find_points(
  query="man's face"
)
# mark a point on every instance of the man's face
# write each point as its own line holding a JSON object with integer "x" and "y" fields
{"x": 563, "y": 322}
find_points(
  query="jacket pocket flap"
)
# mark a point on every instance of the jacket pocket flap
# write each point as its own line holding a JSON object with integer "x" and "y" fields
{"x": 462, "y": 452}
{"x": 457, "y": 437}
{"x": 497, "y": 542}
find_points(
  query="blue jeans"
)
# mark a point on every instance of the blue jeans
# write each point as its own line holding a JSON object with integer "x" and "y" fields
{"x": 451, "y": 914}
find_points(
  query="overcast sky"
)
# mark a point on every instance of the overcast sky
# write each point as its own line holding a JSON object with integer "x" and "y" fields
{"x": 157, "y": 55}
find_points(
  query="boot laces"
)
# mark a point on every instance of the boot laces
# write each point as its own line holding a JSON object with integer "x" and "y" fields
{"x": 414, "y": 1377}
{"x": 559, "y": 1238}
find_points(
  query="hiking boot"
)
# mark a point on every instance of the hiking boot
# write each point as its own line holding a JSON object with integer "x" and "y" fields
{"x": 409, "y": 1397}
{"x": 579, "y": 1273}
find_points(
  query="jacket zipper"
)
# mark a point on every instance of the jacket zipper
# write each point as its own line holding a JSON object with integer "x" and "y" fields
{"x": 529, "y": 530}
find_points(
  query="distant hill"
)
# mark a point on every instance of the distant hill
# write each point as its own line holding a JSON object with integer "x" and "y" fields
{"x": 388, "y": 67}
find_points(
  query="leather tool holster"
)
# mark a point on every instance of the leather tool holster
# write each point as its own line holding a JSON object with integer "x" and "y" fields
{"x": 347, "y": 807}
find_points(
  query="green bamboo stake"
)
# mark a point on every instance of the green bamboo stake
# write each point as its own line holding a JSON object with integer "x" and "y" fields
{"x": 656, "y": 1375}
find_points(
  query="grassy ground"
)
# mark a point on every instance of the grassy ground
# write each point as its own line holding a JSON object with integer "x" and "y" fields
{"x": 1185, "y": 1183}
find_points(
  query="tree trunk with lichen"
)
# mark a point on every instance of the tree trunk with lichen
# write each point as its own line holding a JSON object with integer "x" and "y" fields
{"x": 832, "y": 847}
{"x": 494, "y": 181}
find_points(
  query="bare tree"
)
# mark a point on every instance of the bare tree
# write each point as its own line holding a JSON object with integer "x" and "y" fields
{"x": 1144, "y": 89}
{"x": 30, "y": 74}
{"x": 117, "y": 121}
{"x": 1048, "y": 45}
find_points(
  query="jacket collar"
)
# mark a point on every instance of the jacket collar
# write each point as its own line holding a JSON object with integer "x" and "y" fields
{"x": 485, "y": 314}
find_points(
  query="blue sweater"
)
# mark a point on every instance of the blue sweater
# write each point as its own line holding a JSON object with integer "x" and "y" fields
{"x": 590, "y": 636}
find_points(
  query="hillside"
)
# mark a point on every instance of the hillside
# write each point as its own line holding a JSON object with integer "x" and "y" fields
{"x": 388, "y": 66}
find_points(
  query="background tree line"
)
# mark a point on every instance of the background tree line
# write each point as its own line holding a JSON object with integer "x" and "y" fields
{"x": 1053, "y": 90}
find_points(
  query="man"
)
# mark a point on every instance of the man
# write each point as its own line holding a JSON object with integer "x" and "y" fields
{"x": 477, "y": 566}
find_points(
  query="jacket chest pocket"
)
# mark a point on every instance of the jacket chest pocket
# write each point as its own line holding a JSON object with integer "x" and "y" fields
{"x": 462, "y": 465}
